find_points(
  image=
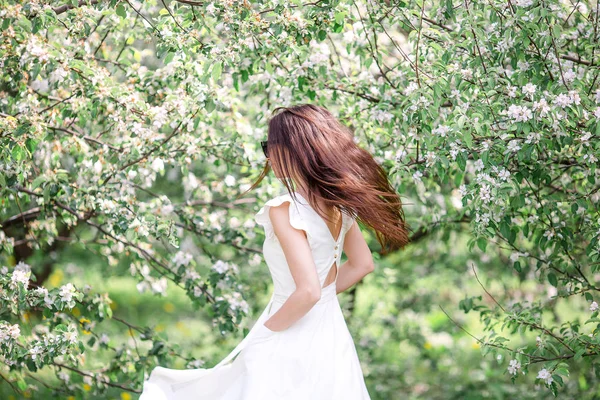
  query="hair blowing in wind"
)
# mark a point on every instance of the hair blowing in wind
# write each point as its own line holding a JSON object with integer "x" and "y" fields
{"x": 309, "y": 146}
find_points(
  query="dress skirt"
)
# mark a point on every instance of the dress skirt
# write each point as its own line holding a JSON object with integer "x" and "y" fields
{"x": 315, "y": 359}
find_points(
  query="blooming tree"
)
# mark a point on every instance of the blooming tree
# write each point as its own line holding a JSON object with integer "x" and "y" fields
{"x": 124, "y": 125}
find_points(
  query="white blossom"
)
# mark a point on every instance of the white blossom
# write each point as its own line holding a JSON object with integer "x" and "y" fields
{"x": 479, "y": 165}
{"x": 8, "y": 332}
{"x": 524, "y": 3}
{"x": 519, "y": 113}
{"x": 70, "y": 336}
{"x": 485, "y": 193}
{"x": 98, "y": 167}
{"x": 594, "y": 306}
{"x": 530, "y": 88}
{"x": 67, "y": 291}
{"x": 20, "y": 276}
{"x": 417, "y": 176}
{"x": 563, "y": 100}
{"x": 158, "y": 165}
{"x": 441, "y": 130}
{"x": 35, "y": 352}
{"x": 230, "y": 180}
{"x": 181, "y": 258}
{"x": 103, "y": 339}
{"x": 222, "y": 267}
{"x": 159, "y": 286}
{"x": 58, "y": 75}
{"x": 514, "y": 367}
{"x": 513, "y": 146}
{"x": 545, "y": 375}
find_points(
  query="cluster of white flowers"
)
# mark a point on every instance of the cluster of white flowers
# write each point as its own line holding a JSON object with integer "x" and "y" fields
{"x": 533, "y": 137}
{"x": 590, "y": 159}
{"x": 191, "y": 275}
{"x": 513, "y": 146}
{"x": 67, "y": 292}
{"x": 478, "y": 165}
{"x": 223, "y": 267}
{"x": 9, "y": 241}
{"x": 542, "y": 107}
{"x": 8, "y": 332}
{"x": 107, "y": 205}
{"x": 182, "y": 258}
{"x": 157, "y": 285}
{"x": 35, "y": 351}
{"x": 382, "y": 115}
{"x": 195, "y": 364}
{"x": 546, "y": 376}
{"x": 564, "y": 100}
{"x": 466, "y": 73}
{"x": 35, "y": 50}
{"x": 539, "y": 342}
{"x": 485, "y": 193}
{"x": 410, "y": 88}
{"x": 514, "y": 257}
{"x": 159, "y": 115}
{"x": 524, "y": 3}
{"x": 43, "y": 293}
{"x": 230, "y": 180}
{"x": 483, "y": 219}
{"x": 20, "y": 276}
{"x": 320, "y": 53}
{"x": 58, "y": 75}
{"x": 63, "y": 376}
{"x": 518, "y": 113}
{"x": 236, "y": 302}
{"x": 594, "y": 306}
{"x": 140, "y": 227}
{"x": 529, "y": 88}
{"x": 430, "y": 158}
{"x": 513, "y": 367}
{"x": 441, "y": 130}
{"x": 70, "y": 336}
{"x": 103, "y": 339}
{"x": 417, "y": 176}
{"x": 158, "y": 165}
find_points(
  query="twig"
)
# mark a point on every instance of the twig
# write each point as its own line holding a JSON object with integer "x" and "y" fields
{"x": 483, "y": 287}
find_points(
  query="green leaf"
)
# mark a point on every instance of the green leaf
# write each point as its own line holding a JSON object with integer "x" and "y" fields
{"x": 482, "y": 243}
{"x": 468, "y": 138}
{"x": 216, "y": 71}
{"x": 517, "y": 266}
{"x": 552, "y": 279}
{"x": 209, "y": 105}
{"x": 120, "y": 10}
{"x": 21, "y": 384}
{"x": 169, "y": 57}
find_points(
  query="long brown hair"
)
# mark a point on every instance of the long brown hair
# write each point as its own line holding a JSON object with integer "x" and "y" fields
{"x": 309, "y": 145}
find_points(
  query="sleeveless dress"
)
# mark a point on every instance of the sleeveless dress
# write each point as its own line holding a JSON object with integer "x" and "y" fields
{"x": 315, "y": 358}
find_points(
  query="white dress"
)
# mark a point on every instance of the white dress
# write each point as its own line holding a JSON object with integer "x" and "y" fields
{"x": 315, "y": 358}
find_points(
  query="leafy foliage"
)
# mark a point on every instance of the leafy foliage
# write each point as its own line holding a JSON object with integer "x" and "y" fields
{"x": 124, "y": 125}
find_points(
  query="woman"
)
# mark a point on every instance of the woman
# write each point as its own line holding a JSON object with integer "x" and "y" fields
{"x": 300, "y": 346}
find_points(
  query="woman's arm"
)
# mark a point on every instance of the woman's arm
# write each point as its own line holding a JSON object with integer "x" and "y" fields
{"x": 294, "y": 244}
{"x": 360, "y": 260}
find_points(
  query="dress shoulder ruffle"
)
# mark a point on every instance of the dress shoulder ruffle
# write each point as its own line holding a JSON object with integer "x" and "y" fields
{"x": 296, "y": 218}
